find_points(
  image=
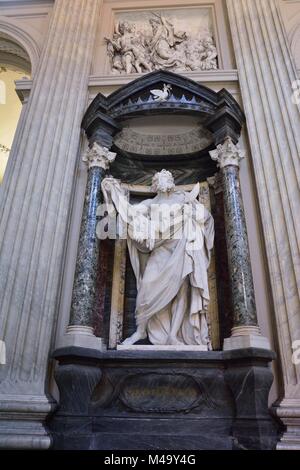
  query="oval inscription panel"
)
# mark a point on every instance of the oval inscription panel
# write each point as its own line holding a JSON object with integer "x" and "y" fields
{"x": 161, "y": 393}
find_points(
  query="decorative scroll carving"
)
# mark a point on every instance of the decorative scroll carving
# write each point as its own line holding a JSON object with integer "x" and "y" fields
{"x": 158, "y": 44}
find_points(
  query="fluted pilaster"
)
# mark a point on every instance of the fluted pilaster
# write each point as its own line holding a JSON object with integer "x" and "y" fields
{"x": 34, "y": 210}
{"x": 266, "y": 74}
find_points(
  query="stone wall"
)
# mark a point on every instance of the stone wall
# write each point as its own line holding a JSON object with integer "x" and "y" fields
{"x": 39, "y": 269}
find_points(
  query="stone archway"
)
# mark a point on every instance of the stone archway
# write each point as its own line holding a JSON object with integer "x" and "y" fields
{"x": 15, "y": 64}
{"x": 20, "y": 47}
{"x": 13, "y": 55}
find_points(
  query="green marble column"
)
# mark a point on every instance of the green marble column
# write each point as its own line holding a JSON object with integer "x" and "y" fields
{"x": 84, "y": 294}
{"x": 244, "y": 314}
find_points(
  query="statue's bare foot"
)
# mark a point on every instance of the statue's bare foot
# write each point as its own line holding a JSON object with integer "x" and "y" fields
{"x": 137, "y": 336}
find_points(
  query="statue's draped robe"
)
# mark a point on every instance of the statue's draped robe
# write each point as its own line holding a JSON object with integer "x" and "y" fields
{"x": 171, "y": 273}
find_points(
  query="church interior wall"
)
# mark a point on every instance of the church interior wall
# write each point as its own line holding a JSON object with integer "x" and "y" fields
{"x": 226, "y": 77}
{"x": 34, "y": 19}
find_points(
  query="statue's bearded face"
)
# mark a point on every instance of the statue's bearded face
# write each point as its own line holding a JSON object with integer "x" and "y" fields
{"x": 163, "y": 182}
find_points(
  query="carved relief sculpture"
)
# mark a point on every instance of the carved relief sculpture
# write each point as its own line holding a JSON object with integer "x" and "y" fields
{"x": 133, "y": 50}
{"x": 127, "y": 50}
{"x": 170, "y": 261}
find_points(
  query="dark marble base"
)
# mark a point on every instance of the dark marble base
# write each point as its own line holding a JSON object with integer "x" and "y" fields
{"x": 163, "y": 400}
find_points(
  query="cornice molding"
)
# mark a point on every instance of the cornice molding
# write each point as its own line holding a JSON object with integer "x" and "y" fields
{"x": 207, "y": 76}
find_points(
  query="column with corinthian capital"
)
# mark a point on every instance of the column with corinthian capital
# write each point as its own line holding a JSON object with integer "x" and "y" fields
{"x": 35, "y": 203}
{"x": 266, "y": 76}
{"x": 245, "y": 331}
{"x": 80, "y": 331}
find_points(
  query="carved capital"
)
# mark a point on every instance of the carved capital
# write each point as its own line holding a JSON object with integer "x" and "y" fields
{"x": 99, "y": 156}
{"x": 227, "y": 154}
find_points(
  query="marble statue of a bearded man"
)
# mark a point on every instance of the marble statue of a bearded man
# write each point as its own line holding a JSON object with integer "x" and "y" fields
{"x": 170, "y": 238}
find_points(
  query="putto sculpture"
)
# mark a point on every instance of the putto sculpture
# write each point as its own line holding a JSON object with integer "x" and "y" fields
{"x": 133, "y": 50}
{"x": 169, "y": 238}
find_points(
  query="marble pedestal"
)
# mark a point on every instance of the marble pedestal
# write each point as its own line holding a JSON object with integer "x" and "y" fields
{"x": 147, "y": 347}
{"x": 129, "y": 400}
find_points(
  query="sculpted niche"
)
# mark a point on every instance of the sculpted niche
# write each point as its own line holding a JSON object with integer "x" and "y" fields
{"x": 158, "y": 44}
{"x": 169, "y": 238}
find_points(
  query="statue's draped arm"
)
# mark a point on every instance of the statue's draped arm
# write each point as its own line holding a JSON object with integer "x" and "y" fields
{"x": 135, "y": 216}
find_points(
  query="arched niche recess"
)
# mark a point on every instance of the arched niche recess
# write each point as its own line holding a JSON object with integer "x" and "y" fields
{"x": 162, "y": 120}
